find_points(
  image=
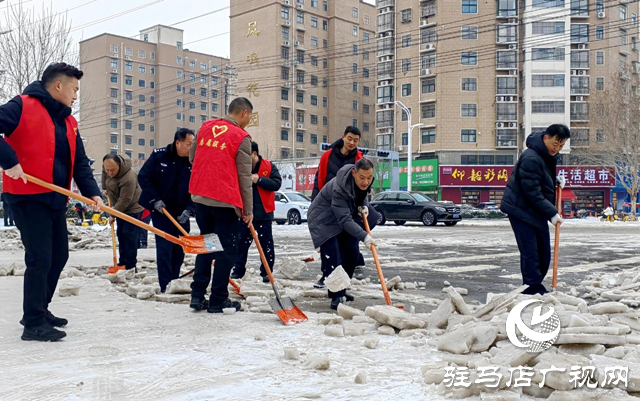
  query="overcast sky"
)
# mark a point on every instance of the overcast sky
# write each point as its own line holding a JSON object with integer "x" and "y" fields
{"x": 127, "y": 17}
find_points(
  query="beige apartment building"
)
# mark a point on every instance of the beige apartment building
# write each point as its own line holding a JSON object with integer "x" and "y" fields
{"x": 308, "y": 67}
{"x": 135, "y": 93}
{"x": 482, "y": 76}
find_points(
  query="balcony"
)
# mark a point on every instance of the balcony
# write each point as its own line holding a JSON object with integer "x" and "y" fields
{"x": 385, "y": 3}
{"x": 506, "y": 138}
{"x": 428, "y": 10}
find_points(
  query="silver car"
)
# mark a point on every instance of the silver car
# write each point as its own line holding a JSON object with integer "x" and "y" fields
{"x": 291, "y": 207}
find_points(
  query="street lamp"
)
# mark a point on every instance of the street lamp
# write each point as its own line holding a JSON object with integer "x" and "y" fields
{"x": 409, "y": 141}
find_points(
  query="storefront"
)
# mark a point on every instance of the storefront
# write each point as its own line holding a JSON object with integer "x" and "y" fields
{"x": 474, "y": 184}
{"x": 424, "y": 176}
{"x": 621, "y": 199}
{"x": 587, "y": 190}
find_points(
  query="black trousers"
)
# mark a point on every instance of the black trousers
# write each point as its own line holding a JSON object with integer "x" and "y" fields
{"x": 143, "y": 235}
{"x": 128, "y": 241}
{"x": 169, "y": 256}
{"x": 535, "y": 254}
{"x": 224, "y": 222}
{"x": 8, "y": 218}
{"x": 245, "y": 239}
{"x": 341, "y": 250}
{"x": 44, "y": 235}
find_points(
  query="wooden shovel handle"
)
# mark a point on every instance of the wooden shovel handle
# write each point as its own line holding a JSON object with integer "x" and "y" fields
{"x": 113, "y": 235}
{"x": 383, "y": 283}
{"x": 111, "y": 211}
{"x": 175, "y": 223}
{"x": 556, "y": 241}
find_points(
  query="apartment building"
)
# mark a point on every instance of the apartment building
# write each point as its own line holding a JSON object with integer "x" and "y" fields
{"x": 136, "y": 92}
{"x": 308, "y": 68}
{"x": 482, "y": 76}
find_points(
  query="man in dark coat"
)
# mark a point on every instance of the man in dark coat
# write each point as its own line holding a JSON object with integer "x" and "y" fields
{"x": 164, "y": 179}
{"x": 529, "y": 201}
{"x": 335, "y": 223}
{"x": 42, "y": 116}
{"x": 266, "y": 181}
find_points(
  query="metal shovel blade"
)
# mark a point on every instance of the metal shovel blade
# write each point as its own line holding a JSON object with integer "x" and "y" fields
{"x": 287, "y": 311}
{"x": 201, "y": 244}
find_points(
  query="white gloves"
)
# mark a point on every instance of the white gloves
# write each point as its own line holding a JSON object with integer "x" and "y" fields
{"x": 363, "y": 210}
{"x": 557, "y": 219}
{"x": 561, "y": 181}
{"x": 368, "y": 241}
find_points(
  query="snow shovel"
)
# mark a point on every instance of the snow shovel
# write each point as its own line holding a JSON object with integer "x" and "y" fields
{"x": 284, "y": 307}
{"x": 383, "y": 283}
{"x": 556, "y": 241}
{"x": 115, "y": 268}
{"x": 191, "y": 244}
{"x": 235, "y": 286}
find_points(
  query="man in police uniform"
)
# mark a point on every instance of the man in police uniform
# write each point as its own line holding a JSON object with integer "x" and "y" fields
{"x": 221, "y": 189}
{"x": 266, "y": 181}
{"x": 164, "y": 179}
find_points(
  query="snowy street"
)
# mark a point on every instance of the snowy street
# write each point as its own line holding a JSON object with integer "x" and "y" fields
{"x": 122, "y": 348}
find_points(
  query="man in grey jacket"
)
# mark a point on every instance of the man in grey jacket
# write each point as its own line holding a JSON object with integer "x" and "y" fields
{"x": 335, "y": 223}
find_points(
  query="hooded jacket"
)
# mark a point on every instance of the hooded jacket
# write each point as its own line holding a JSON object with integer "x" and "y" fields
{"x": 123, "y": 189}
{"x": 335, "y": 210}
{"x": 10, "y": 115}
{"x": 530, "y": 192}
{"x": 332, "y": 161}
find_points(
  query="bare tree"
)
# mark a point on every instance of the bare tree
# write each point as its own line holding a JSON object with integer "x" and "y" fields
{"x": 615, "y": 126}
{"x": 381, "y": 168}
{"x": 30, "y": 43}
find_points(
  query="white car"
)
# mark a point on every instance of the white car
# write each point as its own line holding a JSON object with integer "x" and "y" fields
{"x": 291, "y": 207}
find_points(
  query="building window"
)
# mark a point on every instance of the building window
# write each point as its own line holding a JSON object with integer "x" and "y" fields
{"x": 299, "y": 97}
{"x": 114, "y": 79}
{"x": 114, "y": 63}
{"x": 192, "y": 91}
{"x": 284, "y": 12}
{"x": 314, "y": 44}
{"x": 405, "y": 139}
{"x": 406, "y": 90}
{"x": 354, "y": 12}
{"x": 128, "y": 51}
{"x": 300, "y": 137}
{"x": 114, "y": 49}
{"x": 142, "y": 83}
{"x": 214, "y": 107}
{"x": 314, "y": 61}
{"x": 580, "y": 59}
{"x": 179, "y": 116}
{"x": 314, "y": 119}
{"x": 429, "y": 85}
{"x": 325, "y": 63}
{"x": 285, "y": 33}
{"x": 469, "y": 58}
{"x": 284, "y": 94}
{"x": 579, "y": 33}
{"x": 214, "y": 93}
{"x": 547, "y": 80}
{"x": 128, "y": 95}
{"x": 114, "y": 139}
{"x": 152, "y": 114}
{"x": 428, "y": 110}
{"x": 547, "y": 28}
{"x": 141, "y": 112}
{"x": 314, "y": 100}
{"x": 507, "y": 112}
{"x": 600, "y": 83}
{"x": 600, "y": 32}
{"x": 428, "y": 136}
{"x": 507, "y": 33}
{"x": 114, "y": 124}
{"x": 284, "y": 114}
{"x": 507, "y": 59}
{"x": 128, "y": 110}
{"x": 469, "y": 32}
{"x": 114, "y": 93}
{"x": 325, "y": 25}
{"x": 325, "y": 102}
{"x": 128, "y": 140}
{"x": 469, "y": 84}
{"x": 406, "y": 15}
{"x": 623, "y": 12}
{"x": 192, "y": 105}
{"x": 142, "y": 69}
{"x": 355, "y": 31}
{"x": 300, "y": 116}
{"x": 140, "y": 156}
{"x": 354, "y": 105}
{"x": 469, "y": 6}
{"x": 406, "y": 41}
{"x": 140, "y": 141}
{"x": 468, "y": 135}
{"x": 405, "y": 116}
{"x": 178, "y": 45}
{"x": 468, "y": 110}
{"x": 314, "y": 80}
{"x": 153, "y": 56}
{"x": 325, "y": 82}
{"x": 365, "y": 108}
{"x": 128, "y": 66}
{"x": 406, "y": 64}
{"x": 548, "y": 3}
{"x": 284, "y": 135}
{"x": 547, "y": 107}
{"x": 192, "y": 119}
{"x": 325, "y": 122}
{"x": 548, "y": 54}
{"x": 141, "y": 98}
{"x": 128, "y": 125}
{"x": 385, "y": 94}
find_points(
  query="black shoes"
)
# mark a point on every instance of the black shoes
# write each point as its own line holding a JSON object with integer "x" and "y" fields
{"x": 236, "y": 275}
{"x": 265, "y": 279}
{"x": 349, "y": 297}
{"x": 226, "y": 304}
{"x": 319, "y": 284}
{"x": 44, "y": 332}
{"x": 335, "y": 302}
{"x": 198, "y": 303}
{"x": 52, "y": 320}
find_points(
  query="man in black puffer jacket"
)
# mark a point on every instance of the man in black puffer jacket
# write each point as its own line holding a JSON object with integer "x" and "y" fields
{"x": 529, "y": 201}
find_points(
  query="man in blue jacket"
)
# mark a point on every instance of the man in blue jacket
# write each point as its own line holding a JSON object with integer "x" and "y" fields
{"x": 164, "y": 179}
{"x": 529, "y": 201}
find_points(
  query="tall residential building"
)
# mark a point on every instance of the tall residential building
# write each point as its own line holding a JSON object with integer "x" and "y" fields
{"x": 135, "y": 93}
{"x": 482, "y": 76}
{"x": 308, "y": 68}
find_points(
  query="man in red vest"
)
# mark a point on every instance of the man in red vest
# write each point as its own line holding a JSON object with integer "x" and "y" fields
{"x": 221, "y": 189}
{"x": 41, "y": 139}
{"x": 266, "y": 181}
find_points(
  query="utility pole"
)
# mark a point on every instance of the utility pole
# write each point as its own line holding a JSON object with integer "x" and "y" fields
{"x": 409, "y": 141}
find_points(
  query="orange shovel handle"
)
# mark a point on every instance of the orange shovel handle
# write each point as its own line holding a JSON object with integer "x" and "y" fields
{"x": 383, "y": 283}
{"x": 556, "y": 241}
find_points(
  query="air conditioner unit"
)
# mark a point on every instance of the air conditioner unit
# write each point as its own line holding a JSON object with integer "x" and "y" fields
{"x": 287, "y": 125}
{"x": 127, "y": 57}
{"x": 513, "y": 72}
{"x": 128, "y": 103}
{"x": 601, "y": 14}
{"x": 287, "y": 23}
{"x": 287, "y": 3}
{"x": 286, "y": 43}
{"x": 296, "y": 43}
{"x": 513, "y": 47}
{"x": 574, "y": 72}
{"x": 424, "y": 23}
{"x": 499, "y": 125}
{"x": 300, "y": 126}
{"x": 522, "y": 99}
{"x": 581, "y": 72}
{"x": 114, "y": 101}
{"x": 579, "y": 98}
{"x": 384, "y": 83}
{"x": 425, "y": 71}
{"x": 512, "y": 21}
{"x": 400, "y": 148}
{"x": 582, "y": 47}
{"x": 300, "y": 86}
{"x": 499, "y": 98}
{"x": 114, "y": 147}
{"x": 300, "y": 7}
{"x": 429, "y": 46}
{"x": 513, "y": 125}
{"x": 115, "y": 71}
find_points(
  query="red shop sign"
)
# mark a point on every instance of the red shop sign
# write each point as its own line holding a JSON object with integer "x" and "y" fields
{"x": 587, "y": 176}
{"x": 474, "y": 176}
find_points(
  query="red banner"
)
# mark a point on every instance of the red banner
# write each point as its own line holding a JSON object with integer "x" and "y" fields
{"x": 587, "y": 176}
{"x": 474, "y": 176}
{"x": 305, "y": 177}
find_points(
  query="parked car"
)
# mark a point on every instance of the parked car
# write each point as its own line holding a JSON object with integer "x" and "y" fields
{"x": 486, "y": 206}
{"x": 291, "y": 207}
{"x": 400, "y": 207}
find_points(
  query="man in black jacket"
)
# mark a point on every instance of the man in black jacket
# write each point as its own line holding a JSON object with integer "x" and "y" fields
{"x": 42, "y": 116}
{"x": 529, "y": 201}
{"x": 164, "y": 179}
{"x": 335, "y": 223}
{"x": 266, "y": 181}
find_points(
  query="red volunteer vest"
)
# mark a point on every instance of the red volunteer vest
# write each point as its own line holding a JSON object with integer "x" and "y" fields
{"x": 268, "y": 197}
{"x": 214, "y": 174}
{"x": 34, "y": 142}
{"x": 324, "y": 162}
